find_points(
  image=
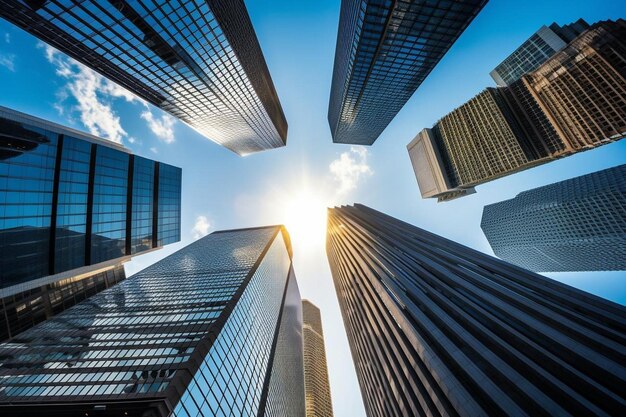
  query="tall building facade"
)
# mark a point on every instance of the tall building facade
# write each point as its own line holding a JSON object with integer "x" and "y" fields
{"x": 385, "y": 49}
{"x": 198, "y": 60}
{"x": 21, "y": 310}
{"x": 199, "y": 333}
{"x": 73, "y": 207}
{"x": 437, "y": 328}
{"x": 574, "y": 101}
{"x": 582, "y": 89}
{"x": 573, "y": 225}
{"x": 316, "y": 385}
{"x": 536, "y": 50}
{"x": 492, "y": 135}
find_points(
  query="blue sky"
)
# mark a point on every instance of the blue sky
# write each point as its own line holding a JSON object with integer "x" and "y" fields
{"x": 293, "y": 185}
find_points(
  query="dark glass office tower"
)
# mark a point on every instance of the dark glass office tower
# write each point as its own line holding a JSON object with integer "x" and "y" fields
{"x": 203, "y": 332}
{"x": 437, "y": 328}
{"x": 198, "y": 60}
{"x": 573, "y": 225}
{"x": 73, "y": 206}
{"x": 574, "y": 101}
{"x": 385, "y": 49}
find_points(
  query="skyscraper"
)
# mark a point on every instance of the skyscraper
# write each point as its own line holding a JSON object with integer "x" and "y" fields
{"x": 316, "y": 385}
{"x": 199, "y": 333}
{"x": 198, "y": 60}
{"x": 573, "y": 225}
{"x": 582, "y": 89}
{"x": 492, "y": 135}
{"x": 437, "y": 328}
{"x": 385, "y": 49}
{"x": 574, "y": 101}
{"x": 73, "y": 207}
{"x": 544, "y": 43}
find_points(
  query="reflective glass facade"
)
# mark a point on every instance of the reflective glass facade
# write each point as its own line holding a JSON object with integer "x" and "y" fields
{"x": 168, "y": 226}
{"x": 573, "y": 225}
{"x": 66, "y": 202}
{"x": 195, "y": 334}
{"x": 438, "y": 329}
{"x": 21, "y": 311}
{"x": 385, "y": 50}
{"x": 198, "y": 60}
{"x": 285, "y": 393}
{"x": 142, "y": 205}
{"x": 27, "y": 167}
{"x": 110, "y": 200}
{"x": 71, "y": 208}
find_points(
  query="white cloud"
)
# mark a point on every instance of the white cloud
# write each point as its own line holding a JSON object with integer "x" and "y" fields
{"x": 7, "y": 37}
{"x": 92, "y": 93}
{"x": 163, "y": 128}
{"x": 8, "y": 61}
{"x": 350, "y": 167}
{"x": 131, "y": 139}
{"x": 154, "y": 150}
{"x": 97, "y": 116}
{"x": 201, "y": 228}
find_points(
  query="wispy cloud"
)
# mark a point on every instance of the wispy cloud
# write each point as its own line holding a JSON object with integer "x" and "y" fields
{"x": 201, "y": 228}
{"x": 162, "y": 127}
{"x": 350, "y": 168}
{"x": 8, "y": 61}
{"x": 7, "y": 37}
{"x": 93, "y": 94}
{"x": 154, "y": 150}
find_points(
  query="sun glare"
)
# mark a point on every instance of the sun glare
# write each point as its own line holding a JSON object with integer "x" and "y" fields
{"x": 305, "y": 219}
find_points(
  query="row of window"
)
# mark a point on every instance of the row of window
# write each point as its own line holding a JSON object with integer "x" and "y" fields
{"x": 27, "y": 203}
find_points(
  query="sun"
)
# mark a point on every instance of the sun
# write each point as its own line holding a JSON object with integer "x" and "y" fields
{"x": 305, "y": 219}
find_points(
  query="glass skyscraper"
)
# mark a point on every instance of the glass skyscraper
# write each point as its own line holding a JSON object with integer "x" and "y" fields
{"x": 436, "y": 328}
{"x": 573, "y": 225}
{"x": 199, "y": 60}
{"x": 574, "y": 101}
{"x": 211, "y": 330}
{"x": 385, "y": 50}
{"x": 73, "y": 206}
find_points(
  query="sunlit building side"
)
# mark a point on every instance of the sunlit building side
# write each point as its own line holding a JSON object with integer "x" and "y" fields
{"x": 203, "y": 332}
{"x": 574, "y": 101}
{"x": 198, "y": 60}
{"x": 317, "y": 386}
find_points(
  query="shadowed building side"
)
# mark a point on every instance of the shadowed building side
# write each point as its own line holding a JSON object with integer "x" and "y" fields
{"x": 385, "y": 50}
{"x": 436, "y": 328}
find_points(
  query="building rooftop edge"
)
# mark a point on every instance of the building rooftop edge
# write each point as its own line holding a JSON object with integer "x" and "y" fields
{"x": 47, "y": 124}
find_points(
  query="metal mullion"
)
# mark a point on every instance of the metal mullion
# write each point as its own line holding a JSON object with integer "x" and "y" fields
{"x": 399, "y": 345}
{"x": 366, "y": 343}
